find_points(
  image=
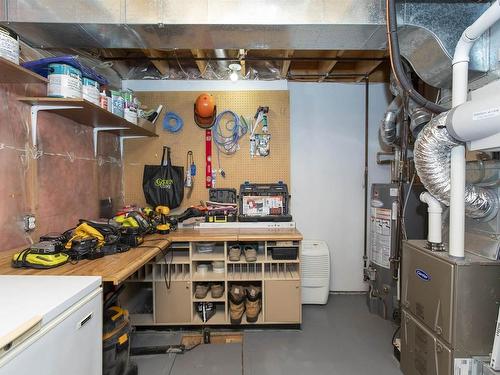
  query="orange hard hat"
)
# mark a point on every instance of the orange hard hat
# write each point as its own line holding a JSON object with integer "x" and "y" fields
{"x": 205, "y": 111}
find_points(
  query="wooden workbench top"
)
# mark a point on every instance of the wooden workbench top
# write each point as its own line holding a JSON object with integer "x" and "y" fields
{"x": 118, "y": 267}
{"x": 112, "y": 268}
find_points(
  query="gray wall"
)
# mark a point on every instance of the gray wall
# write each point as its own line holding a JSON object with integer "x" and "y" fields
{"x": 327, "y": 161}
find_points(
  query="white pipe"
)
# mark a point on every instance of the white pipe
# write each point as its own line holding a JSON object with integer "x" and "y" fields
{"x": 435, "y": 210}
{"x": 457, "y": 202}
{"x": 459, "y": 96}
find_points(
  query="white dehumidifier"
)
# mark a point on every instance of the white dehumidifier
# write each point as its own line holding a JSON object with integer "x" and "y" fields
{"x": 315, "y": 272}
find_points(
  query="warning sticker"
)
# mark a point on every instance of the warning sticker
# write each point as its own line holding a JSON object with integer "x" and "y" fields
{"x": 488, "y": 113}
{"x": 380, "y": 236}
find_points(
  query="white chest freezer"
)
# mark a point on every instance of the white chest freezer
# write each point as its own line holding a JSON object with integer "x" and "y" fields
{"x": 50, "y": 325}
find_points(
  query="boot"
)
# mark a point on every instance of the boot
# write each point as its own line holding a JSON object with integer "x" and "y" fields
{"x": 217, "y": 290}
{"x": 236, "y": 303}
{"x": 234, "y": 253}
{"x": 250, "y": 253}
{"x": 201, "y": 291}
{"x": 253, "y": 303}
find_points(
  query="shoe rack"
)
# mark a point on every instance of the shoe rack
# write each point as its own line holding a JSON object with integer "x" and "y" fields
{"x": 163, "y": 291}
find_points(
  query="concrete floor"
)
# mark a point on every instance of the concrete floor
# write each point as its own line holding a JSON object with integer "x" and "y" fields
{"x": 341, "y": 338}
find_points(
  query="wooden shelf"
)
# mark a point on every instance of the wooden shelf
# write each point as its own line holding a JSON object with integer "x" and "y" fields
{"x": 288, "y": 275}
{"x": 269, "y": 260}
{"x": 92, "y": 115}
{"x": 218, "y": 318}
{"x": 13, "y": 73}
{"x": 209, "y": 276}
{"x": 178, "y": 259}
{"x": 244, "y": 276}
{"x": 208, "y": 298}
{"x": 260, "y": 259}
{"x": 204, "y": 257}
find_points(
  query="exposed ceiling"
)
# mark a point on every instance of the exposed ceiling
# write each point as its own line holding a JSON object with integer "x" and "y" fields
{"x": 270, "y": 37}
{"x": 294, "y": 65}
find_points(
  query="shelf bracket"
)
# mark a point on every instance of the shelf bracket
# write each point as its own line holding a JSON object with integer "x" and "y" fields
{"x": 128, "y": 137}
{"x": 103, "y": 129}
{"x": 34, "y": 117}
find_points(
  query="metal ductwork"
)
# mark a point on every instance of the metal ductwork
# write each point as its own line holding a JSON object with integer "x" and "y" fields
{"x": 388, "y": 126}
{"x": 432, "y": 162}
{"x": 220, "y": 53}
{"x": 419, "y": 117}
{"x": 428, "y": 32}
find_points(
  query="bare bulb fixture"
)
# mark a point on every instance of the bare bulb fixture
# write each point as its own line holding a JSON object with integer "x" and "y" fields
{"x": 234, "y": 75}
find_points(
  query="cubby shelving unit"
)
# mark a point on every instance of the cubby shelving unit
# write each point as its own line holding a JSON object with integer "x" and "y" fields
{"x": 279, "y": 281}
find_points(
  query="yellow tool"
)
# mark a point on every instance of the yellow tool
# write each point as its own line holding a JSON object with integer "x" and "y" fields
{"x": 164, "y": 227}
{"x": 84, "y": 231}
{"x": 128, "y": 222}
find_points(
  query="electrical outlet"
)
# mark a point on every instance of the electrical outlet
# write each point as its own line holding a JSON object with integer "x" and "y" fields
{"x": 29, "y": 222}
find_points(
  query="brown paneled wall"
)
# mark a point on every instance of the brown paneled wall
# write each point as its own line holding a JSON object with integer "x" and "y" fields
{"x": 238, "y": 167}
{"x": 61, "y": 183}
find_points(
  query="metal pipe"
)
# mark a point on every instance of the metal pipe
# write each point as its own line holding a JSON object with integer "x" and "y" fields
{"x": 221, "y": 58}
{"x": 365, "y": 176}
{"x": 459, "y": 96}
{"x": 388, "y": 126}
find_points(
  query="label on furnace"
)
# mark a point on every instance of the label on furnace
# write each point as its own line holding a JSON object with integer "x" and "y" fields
{"x": 380, "y": 236}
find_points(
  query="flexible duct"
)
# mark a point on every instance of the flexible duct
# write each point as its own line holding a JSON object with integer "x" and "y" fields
{"x": 388, "y": 126}
{"x": 419, "y": 117}
{"x": 432, "y": 155}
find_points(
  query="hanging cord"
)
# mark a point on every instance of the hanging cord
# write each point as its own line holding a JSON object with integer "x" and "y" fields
{"x": 167, "y": 122}
{"x": 228, "y": 144}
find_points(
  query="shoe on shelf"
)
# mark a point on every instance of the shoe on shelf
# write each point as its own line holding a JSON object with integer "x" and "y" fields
{"x": 234, "y": 253}
{"x": 201, "y": 291}
{"x": 217, "y": 290}
{"x": 250, "y": 253}
{"x": 253, "y": 303}
{"x": 237, "y": 297}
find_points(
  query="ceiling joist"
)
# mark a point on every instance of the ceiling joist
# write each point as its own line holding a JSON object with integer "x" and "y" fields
{"x": 162, "y": 66}
{"x": 286, "y": 63}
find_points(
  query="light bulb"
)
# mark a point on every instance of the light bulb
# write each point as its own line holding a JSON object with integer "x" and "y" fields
{"x": 233, "y": 76}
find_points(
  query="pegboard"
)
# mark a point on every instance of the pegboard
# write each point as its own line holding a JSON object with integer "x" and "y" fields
{"x": 239, "y": 167}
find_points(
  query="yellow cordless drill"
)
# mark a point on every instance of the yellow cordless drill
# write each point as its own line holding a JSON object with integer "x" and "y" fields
{"x": 164, "y": 227}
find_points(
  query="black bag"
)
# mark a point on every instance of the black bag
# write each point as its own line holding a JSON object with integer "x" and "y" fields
{"x": 163, "y": 185}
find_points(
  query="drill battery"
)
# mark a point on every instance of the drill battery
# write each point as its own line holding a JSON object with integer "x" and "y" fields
{"x": 46, "y": 247}
{"x": 131, "y": 236}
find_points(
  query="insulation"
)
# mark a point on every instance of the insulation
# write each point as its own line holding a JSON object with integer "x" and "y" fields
{"x": 432, "y": 162}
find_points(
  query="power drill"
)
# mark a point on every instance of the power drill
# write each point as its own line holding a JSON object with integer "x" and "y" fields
{"x": 164, "y": 226}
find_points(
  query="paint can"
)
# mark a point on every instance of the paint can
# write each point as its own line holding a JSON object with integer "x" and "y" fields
{"x": 9, "y": 45}
{"x": 90, "y": 90}
{"x": 65, "y": 81}
{"x": 117, "y": 103}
